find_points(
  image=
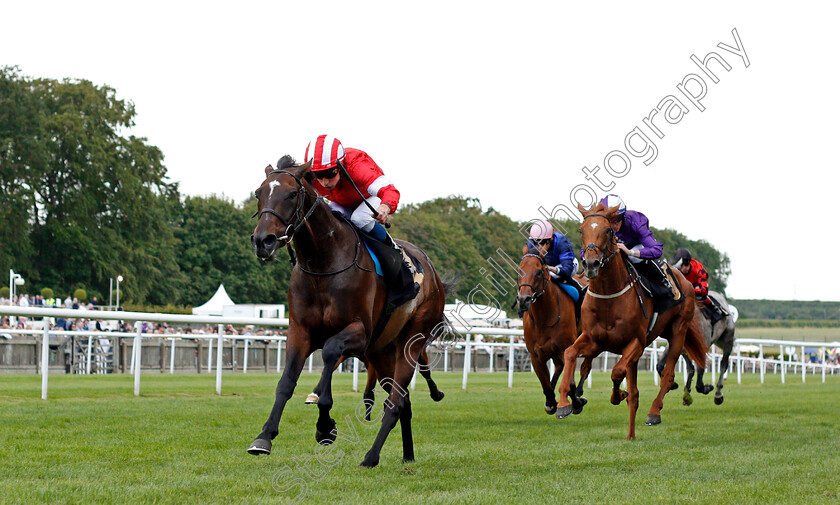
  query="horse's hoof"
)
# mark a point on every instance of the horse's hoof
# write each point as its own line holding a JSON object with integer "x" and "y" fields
{"x": 260, "y": 446}
{"x": 408, "y": 460}
{"x": 311, "y": 398}
{"x": 687, "y": 399}
{"x": 579, "y": 408}
{"x": 705, "y": 389}
{"x": 563, "y": 412}
{"x": 327, "y": 436}
{"x": 550, "y": 409}
{"x": 369, "y": 461}
{"x": 718, "y": 400}
{"x": 437, "y": 396}
{"x": 674, "y": 386}
{"x": 653, "y": 419}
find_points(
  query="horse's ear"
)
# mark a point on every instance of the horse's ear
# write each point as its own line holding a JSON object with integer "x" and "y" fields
{"x": 524, "y": 250}
{"x": 304, "y": 172}
{"x": 582, "y": 209}
{"x": 268, "y": 169}
{"x": 610, "y": 212}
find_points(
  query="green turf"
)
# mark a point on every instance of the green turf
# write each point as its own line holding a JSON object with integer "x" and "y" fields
{"x": 94, "y": 442}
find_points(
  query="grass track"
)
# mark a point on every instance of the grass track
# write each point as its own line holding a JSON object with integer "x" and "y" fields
{"x": 94, "y": 442}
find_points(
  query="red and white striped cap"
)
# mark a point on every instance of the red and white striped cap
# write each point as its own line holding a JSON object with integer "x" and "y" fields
{"x": 324, "y": 153}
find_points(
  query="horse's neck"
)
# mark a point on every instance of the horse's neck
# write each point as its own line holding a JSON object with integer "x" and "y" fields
{"x": 612, "y": 278}
{"x": 547, "y": 307}
{"x": 323, "y": 241}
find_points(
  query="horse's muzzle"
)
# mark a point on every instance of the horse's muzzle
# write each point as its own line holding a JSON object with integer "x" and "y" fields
{"x": 264, "y": 246}
{"x": 591, "y": 268}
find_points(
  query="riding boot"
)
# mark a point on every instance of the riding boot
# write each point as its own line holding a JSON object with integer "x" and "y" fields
{"x": 402, "y": 282}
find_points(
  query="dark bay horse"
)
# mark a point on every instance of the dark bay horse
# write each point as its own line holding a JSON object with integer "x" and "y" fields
{"x": 549, "y": 322}
{"x": 612, "y": 319}
{"x": 722, "y": 334}
{"x": 335, "y": 301}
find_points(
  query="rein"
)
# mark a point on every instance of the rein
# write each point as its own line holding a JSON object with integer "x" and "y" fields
{"x": 292, "y": 227}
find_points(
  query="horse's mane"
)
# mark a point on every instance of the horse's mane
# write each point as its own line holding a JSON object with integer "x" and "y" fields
{"x": 286, "y": 161}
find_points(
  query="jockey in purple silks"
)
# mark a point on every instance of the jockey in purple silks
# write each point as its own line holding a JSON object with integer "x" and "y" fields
{"x": 636, "y": 240}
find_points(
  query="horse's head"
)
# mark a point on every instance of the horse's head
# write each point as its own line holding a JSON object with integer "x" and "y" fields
{"x": 597, "y": 237}
{"x": 280, "y": 205}
{"x": 533, "y": 279}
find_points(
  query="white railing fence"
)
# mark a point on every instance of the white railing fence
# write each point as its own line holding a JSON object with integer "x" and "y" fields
{"x": 738, "y": 363}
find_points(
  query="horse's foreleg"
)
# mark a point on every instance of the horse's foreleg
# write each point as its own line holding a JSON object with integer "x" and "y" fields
{"x": 368, "y": 395}
{"x": 632, "y": 397}
{"x": 541, "y": 370}
{"x": 630, "y": 354}
{"x": 348, "y": 339}
{"x": 583, "y": 346}
{"x": 312, "y": 397}
{"x": 701, "y": 387}
{"x": 298, "y": 349}
{"x": 558, "y": 371}
{"x": 585, "y": 369}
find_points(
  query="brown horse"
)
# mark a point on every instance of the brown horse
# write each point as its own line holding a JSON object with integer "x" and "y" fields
{"x": 549, "y": 321}
{"x": 335, "y": 301}
{"x": 612, "y": 319}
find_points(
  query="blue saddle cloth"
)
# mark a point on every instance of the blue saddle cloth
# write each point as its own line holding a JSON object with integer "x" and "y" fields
{"x": 375, "y": 259}
{"x": 570, "y": 291}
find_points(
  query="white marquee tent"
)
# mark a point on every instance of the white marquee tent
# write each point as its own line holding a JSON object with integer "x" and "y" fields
{"x": 215, "y": 305}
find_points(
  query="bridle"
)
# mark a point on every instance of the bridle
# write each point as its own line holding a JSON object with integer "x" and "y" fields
{"x": 535, "y": 293}
{"x": 296, "y": 222}
{"x": 606, "y": 255}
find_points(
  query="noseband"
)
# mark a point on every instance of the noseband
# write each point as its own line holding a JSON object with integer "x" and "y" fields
{"x": 606, "y": 255}
{"x": 296, "y": 221}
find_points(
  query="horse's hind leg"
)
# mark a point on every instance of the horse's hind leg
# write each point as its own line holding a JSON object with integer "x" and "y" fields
{"x": 701, "y": 387}
{"x": 660, "y": 365}
{"x": 423, "y": 367}
{"x": 632, "y": 397}
{"x": 348, "y": 339}
{"x": 298, "y": 349}
{"x": 395, "y": 404}
{"x": 629, "y": 355}
{"x": 689, "y": 366}
{"x": 585, "y": 370}
{"x": 724, "y": 366}
{"x": 675, "y": 346}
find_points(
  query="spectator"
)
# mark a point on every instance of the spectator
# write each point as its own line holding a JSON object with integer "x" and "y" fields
{"x": 68, "y": 302}
{"x": 75, "y": 303}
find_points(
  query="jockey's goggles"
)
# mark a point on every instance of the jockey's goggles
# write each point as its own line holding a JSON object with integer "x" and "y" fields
{"x": 326, "y": 174}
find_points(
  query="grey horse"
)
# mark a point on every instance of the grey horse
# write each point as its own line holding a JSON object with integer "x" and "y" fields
{"x": 721, "y": 334}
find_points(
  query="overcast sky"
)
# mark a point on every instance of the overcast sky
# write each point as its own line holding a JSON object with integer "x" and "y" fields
{"x": 506, "y": 102}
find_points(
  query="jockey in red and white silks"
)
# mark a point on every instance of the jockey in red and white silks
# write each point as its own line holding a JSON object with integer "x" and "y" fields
{"x": 325, "y": 153}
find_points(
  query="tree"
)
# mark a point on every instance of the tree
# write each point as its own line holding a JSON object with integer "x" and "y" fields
{"x": 89, "y": 201}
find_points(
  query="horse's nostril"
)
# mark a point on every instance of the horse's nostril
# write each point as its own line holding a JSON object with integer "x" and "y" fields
{"x": 269, "y": 241}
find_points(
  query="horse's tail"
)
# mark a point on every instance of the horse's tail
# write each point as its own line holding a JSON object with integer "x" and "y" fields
{"x": 695, "y": 344}
{"x": 450, "y": 282}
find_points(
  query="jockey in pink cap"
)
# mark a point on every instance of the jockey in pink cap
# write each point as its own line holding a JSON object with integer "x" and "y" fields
{"x": 558, "y": 253}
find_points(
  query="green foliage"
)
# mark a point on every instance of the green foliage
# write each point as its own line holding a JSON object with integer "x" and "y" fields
{"x": 792, "y": 310}
{"x": 160, "y": 309}
{"x": 80, "y": 294}
{"x": 47, "y": 292}
{"x": 716, "y": 262}
{"x": 4, "y": 292}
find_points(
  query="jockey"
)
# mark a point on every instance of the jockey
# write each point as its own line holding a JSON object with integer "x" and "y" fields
{"x": 325, "y": 154}
{"x": 327, "y": 158}
{"x": 696, "y": 274}
{"x": 636, "y": 240}
{"x": 558, "y": 254}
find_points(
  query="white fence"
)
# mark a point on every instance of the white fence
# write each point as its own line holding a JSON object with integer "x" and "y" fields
{"x": 738, "y": 363}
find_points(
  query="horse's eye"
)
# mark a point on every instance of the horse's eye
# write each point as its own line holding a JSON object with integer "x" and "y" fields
{"x": 291, "y": 196}
{"x": 257, "y": 194}
{"x": 539, "y": 273}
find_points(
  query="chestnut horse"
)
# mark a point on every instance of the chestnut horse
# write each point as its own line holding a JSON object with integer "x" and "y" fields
{"x": 548, "y": 316}
{"x": 612, "y": 319}
{"x": 335, "y": 301}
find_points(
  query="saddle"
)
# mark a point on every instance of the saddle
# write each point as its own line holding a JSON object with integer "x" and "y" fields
{"x": 403, "y": 273}
{"x": 663, "y": 298}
